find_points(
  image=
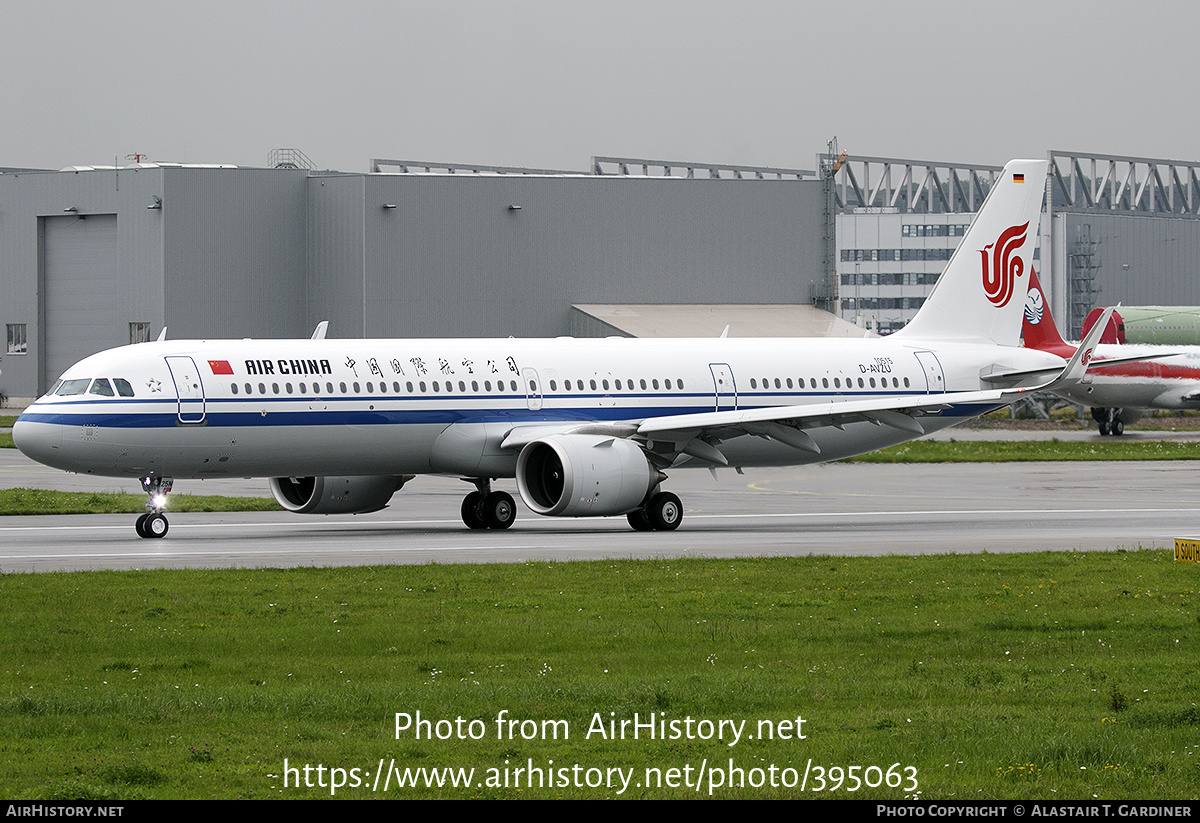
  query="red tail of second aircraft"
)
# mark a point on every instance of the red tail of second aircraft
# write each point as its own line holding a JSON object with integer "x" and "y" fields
{"x": 1038, "y": 328}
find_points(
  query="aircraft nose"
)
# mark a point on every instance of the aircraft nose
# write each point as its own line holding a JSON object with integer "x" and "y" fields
{"x": 38, "y": 440}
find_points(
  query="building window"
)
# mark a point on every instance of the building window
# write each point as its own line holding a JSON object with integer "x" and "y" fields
{"x": 16, "y": 339}
{"x": 139, "y": 332}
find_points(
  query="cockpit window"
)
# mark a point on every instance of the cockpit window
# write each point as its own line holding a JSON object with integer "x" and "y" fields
{"x": 102, "y": 387}
{"x": 123, "y": 387}
{"x": 70, "y": 387}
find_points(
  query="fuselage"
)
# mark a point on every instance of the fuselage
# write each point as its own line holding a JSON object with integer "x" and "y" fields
{"x": 1155, "y": 383}
{"x": 277, "y": 408}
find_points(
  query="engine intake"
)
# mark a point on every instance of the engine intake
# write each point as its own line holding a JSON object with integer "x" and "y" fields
{"x": 335, "y": 495}
{"x": 579, "y": 475}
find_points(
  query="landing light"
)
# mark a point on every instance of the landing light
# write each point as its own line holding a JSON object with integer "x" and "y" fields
{"x": 160, "y": 501}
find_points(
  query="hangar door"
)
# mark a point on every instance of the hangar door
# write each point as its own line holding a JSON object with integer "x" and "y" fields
{"x": 81, "y": 312}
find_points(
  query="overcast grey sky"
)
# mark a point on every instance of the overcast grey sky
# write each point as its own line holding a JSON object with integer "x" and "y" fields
{"x": 549, "y": 84}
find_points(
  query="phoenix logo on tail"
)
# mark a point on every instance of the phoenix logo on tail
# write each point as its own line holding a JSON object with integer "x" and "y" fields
{"x": 1000, "y": 278}
{"x": 1035, "y": 306}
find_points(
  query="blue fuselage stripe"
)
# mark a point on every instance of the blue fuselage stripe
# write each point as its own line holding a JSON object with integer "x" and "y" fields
{"x": 105, "y": 414}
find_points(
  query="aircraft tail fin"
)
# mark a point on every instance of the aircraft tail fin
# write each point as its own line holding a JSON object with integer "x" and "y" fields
{"x": 978, "y": 298}
{"x": 1038, "y": 327}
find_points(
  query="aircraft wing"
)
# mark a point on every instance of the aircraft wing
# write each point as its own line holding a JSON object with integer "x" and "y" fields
{"x": 696, "y": 433}
{"x": 691, "y": 433}
{"x": 788, "y": 424}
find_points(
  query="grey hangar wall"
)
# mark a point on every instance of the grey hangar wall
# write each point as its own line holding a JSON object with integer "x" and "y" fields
{"x": 237, "y": 252}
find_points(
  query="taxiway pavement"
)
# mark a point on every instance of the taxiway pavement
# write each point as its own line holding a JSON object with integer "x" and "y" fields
{"x": 838, "y": 509}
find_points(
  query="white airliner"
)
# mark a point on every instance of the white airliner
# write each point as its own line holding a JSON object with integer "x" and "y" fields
{"x": 587, "y": 427}
{"x": 1122, "y": 380}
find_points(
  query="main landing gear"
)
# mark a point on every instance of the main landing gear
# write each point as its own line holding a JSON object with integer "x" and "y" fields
{"x": 154, "y": 524}
{"x": 1109, "y": 421}
{"x": 662, "y": 512}
{"x": 486, "y": 509}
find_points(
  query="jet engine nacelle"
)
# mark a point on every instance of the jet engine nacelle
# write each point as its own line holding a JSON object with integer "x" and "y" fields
{"x": 576, "y": 475}
{"x": 335, "y": 495}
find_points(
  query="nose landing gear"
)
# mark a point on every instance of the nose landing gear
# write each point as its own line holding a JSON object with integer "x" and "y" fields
{"x": 154, "y": 524}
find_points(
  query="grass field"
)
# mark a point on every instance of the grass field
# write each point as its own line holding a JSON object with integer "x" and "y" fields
{"x": 1052, "y": 676}
{"x": 1006, "y": 451}
{"x": 1056, "y": 676}
{"x": 42, "y": 501}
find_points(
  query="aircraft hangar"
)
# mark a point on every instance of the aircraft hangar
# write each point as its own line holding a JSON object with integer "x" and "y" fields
{"x": 95, "y": 257}
{"x": 92, "y": 258}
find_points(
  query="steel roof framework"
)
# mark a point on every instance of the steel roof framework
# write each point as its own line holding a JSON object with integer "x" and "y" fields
{"x": 1106, "y": 183}
{"x": 912, "y": 186}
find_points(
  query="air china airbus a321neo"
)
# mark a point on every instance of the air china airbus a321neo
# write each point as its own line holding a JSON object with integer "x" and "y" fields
{"x": 586, "y": 427}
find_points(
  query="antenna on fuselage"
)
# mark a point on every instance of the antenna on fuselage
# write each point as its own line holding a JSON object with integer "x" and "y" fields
{"x": 162, "y": 335}
{"x": 319, "y": 331}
